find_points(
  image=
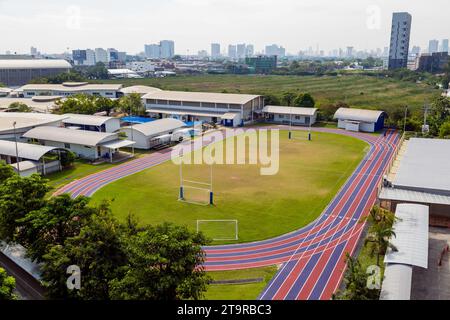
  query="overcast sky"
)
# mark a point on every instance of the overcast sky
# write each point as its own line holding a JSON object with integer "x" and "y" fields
{"x": 57, "y": 25}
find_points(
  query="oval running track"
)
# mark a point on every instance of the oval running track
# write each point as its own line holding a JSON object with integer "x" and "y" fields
{"x": 312, "y": 258}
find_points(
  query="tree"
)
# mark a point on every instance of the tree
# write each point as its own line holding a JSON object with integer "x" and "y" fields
{"x": 7, "y": 286}
{"x": 19, "y": 107}
{"x": 18, "y": 197}
{"x": 304, "y": 100}
{"x": 132, "y": 104}
{"x": 80, "y": 104}
{"x": 106, "y": 105}
{"x": 97, "y": 251}
{"x": 165, "y": 263}
{"x": 440, "y": 113}
{"x": 327, "y": 111}
{"x": 355, "y": 280}
{"x": 99, "y": 71}
{"x": 271, "y": 99}
{"x": 378, "y": 241}
{"x": 61, "y": 218}
{"x": 67, "y": 158}
{"x": 288, "y": 98}
{"x": 6, "y": 171}
{"x": 444, "y": 131}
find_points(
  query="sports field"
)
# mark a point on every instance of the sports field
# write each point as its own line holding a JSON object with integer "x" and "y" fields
{"x": 356, "y": 90}
{"x": 310, "y": 174}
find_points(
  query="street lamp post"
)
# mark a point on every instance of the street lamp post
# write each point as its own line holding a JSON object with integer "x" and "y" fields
{"x": 17, "y": 149}
{"x": 404, "y": 121}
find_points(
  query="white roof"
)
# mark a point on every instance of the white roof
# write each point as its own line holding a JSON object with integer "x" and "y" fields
{"x": 34, "y": 64}
{"x": 6, "y": 90}
{"x": 119, "y": 143}
{"x": 26, "y": 120}
{"x": 413, "y": 196}
{"x": 24, "y": 165}
{"x": 396, "y": 282}
{"x": 411, "y": 238}
{"x": 64, "y": 135}
{"x": 139, "y": 89}
{"x": 72, "y": 87}
{"x": 229, "y": 116}
{"x": 425, "y": 166}
{"x": 85, "y": 119}
{"x": 290, "y": 110}
{"x": 25, "y": 150}
{"x": 158, "y": 126}
{"x": 184, "y": 112}
{"x": 358, "y": 114}
{"x": 38, "y": 105}
{"x": 208, "y": 97}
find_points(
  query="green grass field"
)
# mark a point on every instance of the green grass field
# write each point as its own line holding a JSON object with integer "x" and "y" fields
{"x": 356, "y": 90}
{"x": 310, "y": 174}
{"x": 247, "y": 291}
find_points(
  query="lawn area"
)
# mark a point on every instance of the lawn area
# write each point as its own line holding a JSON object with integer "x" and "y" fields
{"x": 248, "y": 291}
{"x": 356, "y": 90}
{"x": 310, "y": 173}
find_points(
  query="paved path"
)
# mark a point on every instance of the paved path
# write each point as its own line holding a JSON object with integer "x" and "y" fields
{"x": 312, "y": 257}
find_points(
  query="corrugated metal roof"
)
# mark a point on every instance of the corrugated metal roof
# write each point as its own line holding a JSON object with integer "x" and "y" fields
{"x": 183, "y": 112}
{"x": 81, "y": 137}
{"x": 71, "y": 87}
{"x": 158, "y": 126}
{"x": 24, "y": 165}
{"x": 34, "y": 64}
{"x": 411, "y": 238}
{"x": 208, "y": 97}
{"x": 396, "y": 282}
{"x": 36, "y": 105}
{"x": 26, "y": 120}
{"x": 85, "y": 119}
{"x": 25, "y": 150}
{"x": 116, "y": 144}
{"x": 413, "y": 196}
{"x": 425, "y": 165}
{"x": 290, "y": 110}
{"x": 358, "y": 114}
{"x": 139, "y": 89}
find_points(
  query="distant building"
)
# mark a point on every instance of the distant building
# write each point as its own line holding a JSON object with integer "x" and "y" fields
{"x": 33, "y": 51}
{"x": 433, "y": 63}
{"x": 215, "y": 50}
{"x": 101, "y": 55}
{"x": 20, "y": 72}
{"x": 71, "y": 88}
{"x": 232, "y": 51}
{"x": 90, "y": 57}
{"x": 275, "y": 50}
{"x": 415, "y": 50}
{"x": 153, "y": 51}
{"x": 167, "y": 49}
{"x": 349, "y": 52}
{"x": 250, "y": 50}
{"x": 78, "y": 57}
{"x": 240, "y": 50}
{"x": 433, "y": 46}
{"x": 262, "y": 64}
{"x": 444, "y": 47}
{"x": 399, "y": 45}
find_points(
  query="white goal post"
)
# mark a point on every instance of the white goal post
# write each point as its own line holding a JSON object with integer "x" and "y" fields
{"x": 219, "y": 230}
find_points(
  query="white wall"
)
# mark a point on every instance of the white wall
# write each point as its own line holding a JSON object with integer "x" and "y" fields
{"x": 142, "y": 142}
{"x": 112, "y": 125}
{"x": 296, "y": 120}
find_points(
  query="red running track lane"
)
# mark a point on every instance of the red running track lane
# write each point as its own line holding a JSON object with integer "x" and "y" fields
{"x": 313, "y": 256}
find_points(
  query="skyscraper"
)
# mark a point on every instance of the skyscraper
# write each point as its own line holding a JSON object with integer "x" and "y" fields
{"x": 101, "y": 55}
{"x": 152, "y": 51}
{"x": 349, "y": 51}
{"x": 275, "y": 50}
{"x": 79, "y": 57}
{"x": 444, "y": 47}
{"x": 215, "y": 50}
{"x": 433, "y": 46}
{"x": 90, "y": 57}
{"x": 399, "y": 45}
{"x": 250, "y": 50}
{"x": 167, "y": 49}
{"x": 240, "y": 50}
{"x": 232, "y": 53}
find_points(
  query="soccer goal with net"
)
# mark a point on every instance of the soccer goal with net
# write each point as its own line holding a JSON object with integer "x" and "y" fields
{"x": 219, "y": 230}
{"x": 196, "y": 192}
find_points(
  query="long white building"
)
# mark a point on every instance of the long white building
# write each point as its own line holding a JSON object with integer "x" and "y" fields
{"x": 71, "y": 88}
{"x": 204, "y": 106}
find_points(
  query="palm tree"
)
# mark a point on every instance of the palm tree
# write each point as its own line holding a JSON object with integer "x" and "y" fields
{"x": 379, "y": 241}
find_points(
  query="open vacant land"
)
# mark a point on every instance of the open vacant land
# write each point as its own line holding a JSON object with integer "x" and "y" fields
{"x": 356, "y": 90}
{"x": 310, "y": 174}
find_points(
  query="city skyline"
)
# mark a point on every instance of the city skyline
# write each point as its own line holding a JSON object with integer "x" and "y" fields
{"x": 366, "y": 26}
